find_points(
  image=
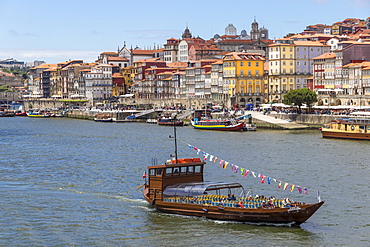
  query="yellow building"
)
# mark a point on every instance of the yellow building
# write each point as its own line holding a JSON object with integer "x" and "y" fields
{"x": 281, "y": 68}
{"x": 243, "y": 73}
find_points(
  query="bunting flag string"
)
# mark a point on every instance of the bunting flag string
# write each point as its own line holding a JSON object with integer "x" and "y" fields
{"x": 245, "y": 172}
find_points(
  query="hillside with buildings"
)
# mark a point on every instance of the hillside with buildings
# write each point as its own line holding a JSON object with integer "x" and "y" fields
{"x": 229, "y": 69}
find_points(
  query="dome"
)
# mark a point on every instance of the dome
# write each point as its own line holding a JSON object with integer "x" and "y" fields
{"x": 217, "y": 36}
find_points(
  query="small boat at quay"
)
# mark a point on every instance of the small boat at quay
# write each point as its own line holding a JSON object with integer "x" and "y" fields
{"x": 178, "y": 187}
{"x": 152, "y": 120}
{"x": 168, "y": 121}
{"x": 103, "y": 118}
{"x": 218, "y": 124}
{"x": 39, "y": 114}
{"x": 347, "y": 128}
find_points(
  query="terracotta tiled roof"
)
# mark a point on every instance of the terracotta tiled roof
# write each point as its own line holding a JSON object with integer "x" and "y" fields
{"x": 109, "y": 53}
{"x": 45, "y": 65}
{"x": 142, "y": 52}
{"x": 325, "y": 56}
{"x": 117, "y": 59}
{"x": 178, "y": 65}
{"x": 308, "y": 43}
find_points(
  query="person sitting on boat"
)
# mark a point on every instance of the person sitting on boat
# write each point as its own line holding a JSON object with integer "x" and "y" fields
{"x": 232, "y": 197}
{"x": 271, "y": 205}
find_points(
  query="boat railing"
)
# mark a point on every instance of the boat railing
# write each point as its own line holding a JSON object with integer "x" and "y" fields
{"x": 217, "y": 200}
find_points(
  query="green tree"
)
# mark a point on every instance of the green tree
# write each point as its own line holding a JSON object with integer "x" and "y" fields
{"x": 301, "y": 96}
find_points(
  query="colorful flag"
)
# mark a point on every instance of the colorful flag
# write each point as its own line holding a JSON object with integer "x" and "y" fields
{"x": 292, "y": 187}
{"x": 262, "y": 178}
{"x": 236, "y": 168}
{"x": 285, "y": 185}
{"x": 246, "y": 173}
{"x": 221, "y": 161}
{"x": 299, "y": 190}
{"x": 279, "y": 185}
{"x": 211, "y": 158}
{"x": 269, "y": 180}
{"x": 144, "y": 174}
{"x": 305, "y": 191}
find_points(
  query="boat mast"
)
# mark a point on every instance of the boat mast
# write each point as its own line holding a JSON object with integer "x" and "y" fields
{"x": 174, "y": 130}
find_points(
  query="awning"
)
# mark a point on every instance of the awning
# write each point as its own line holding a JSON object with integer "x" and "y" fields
{"x": 127, "y": 95}
{"x": 56, "y": 96}
{"x": 196, "y": 189}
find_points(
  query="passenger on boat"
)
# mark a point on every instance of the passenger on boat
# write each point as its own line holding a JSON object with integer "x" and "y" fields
{"x": 232, "y": 197}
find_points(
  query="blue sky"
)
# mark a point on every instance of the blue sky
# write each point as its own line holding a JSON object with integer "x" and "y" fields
{"x": 56, "y": 31}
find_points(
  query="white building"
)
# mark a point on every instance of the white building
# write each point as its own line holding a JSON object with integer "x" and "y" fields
{"x": 99, "y": 83}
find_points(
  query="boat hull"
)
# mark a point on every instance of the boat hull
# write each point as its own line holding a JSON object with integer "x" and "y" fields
{"x": 295, "y": 216}
{"x": 170, "y": 123}
{"x": 329, "y": 133}
{"x": 236, "y": 127}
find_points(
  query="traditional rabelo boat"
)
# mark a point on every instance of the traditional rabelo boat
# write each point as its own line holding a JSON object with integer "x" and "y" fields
{"x": 218, "y": 124}
{"x": 347, "y": 128}
{"x": 178, "y": 187}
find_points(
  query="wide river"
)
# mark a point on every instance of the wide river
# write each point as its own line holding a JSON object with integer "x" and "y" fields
{"x": 67, "y": 182}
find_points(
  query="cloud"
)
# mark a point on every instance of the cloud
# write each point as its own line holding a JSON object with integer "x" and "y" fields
{"x": 321, "y": 2}
{"x": 50, "y": 56}
{"x": 361, "y": 3}
{"x": 13, "y": 33}
{"x": 154, "y": 34}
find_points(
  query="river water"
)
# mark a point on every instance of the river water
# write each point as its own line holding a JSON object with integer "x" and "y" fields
{"x": 67, "y": 182}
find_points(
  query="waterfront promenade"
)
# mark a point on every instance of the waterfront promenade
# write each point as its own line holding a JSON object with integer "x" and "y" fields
{"x": 272, "y": 120}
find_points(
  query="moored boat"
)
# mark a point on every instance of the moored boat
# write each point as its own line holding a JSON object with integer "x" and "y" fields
{"x": 178, "y": 187}
{"x": 7, "y": 114}
{"x": 347, "y": 128}
{"x": 103, "y": 118}
{"x": 168, "y": 121}
{"x": 152, "y": 120}
{"x": 39, "y": 114}
{"x": 21, "y": 114}
{"x": 218, "y": 124}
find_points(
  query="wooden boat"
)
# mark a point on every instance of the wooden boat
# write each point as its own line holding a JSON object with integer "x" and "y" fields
{"x": 178, "y": 187}
{"x": 39, "y": 114}
{"x": 250, "y": 127}
{"x": 152, "y": 120}
{"x": 21, "y": 114}
{"x": 103, "y": 118}
{"x": 168, "y": 121}
{"x": 218, "y": 124}
{"x": 7, "y": 114}
{"x": 347, "y": 128}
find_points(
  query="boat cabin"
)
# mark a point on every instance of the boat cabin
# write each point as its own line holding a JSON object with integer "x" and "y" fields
{"x": 173, "y": 172}
{"x": 351, "y": 124}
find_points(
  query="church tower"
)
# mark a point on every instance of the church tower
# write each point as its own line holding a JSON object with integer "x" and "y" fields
{"x": 186, "y": 34}
{"x": 255, "y": 33}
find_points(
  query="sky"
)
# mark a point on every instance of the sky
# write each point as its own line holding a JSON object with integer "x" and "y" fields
{"x": 58, "y": 31}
